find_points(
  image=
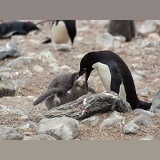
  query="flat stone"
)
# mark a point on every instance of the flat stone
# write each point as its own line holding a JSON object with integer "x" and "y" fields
{"x": 7, "y": 86}
{"x": 113, "y": 120}
{"x": 61, "y": 128}
{"x": 43, "y": 137}
{"x": 90, "y": 122}
{"x": 9, "y": 133}
{"x": 131, "y": 128}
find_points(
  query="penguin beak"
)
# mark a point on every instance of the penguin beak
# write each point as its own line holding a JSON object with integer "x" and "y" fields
{"x": 86, "y": 74}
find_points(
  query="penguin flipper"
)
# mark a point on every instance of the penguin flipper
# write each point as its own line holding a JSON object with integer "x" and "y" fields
{"x": 46, "y": 95}
{"x": 47, "y": 41}
{"x": 116, "y": 81}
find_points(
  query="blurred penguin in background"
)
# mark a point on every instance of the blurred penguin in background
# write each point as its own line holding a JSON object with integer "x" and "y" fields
{"x": 62, "y": 32}
{"x": 125, "y": 28}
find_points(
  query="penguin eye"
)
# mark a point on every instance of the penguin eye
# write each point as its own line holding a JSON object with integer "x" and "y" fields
{"x": 84, "y": 69}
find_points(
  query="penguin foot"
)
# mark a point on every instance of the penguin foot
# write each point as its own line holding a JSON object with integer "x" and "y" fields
{"x": 64, "y": 48}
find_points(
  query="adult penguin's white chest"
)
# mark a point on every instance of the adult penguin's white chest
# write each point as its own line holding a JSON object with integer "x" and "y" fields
{"x": 59, "y": 33}
{"x": 105, "y": 76}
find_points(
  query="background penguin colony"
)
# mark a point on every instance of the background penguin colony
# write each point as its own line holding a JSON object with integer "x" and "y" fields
{"x": 64, "y": 32}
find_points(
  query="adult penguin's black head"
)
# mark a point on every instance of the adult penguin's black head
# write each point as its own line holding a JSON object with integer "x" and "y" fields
{"x": 86, "y": 65}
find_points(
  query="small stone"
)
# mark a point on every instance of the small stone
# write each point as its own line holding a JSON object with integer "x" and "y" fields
{"x": 46, "y": 56}
{"x": 7, "y": 86}
{"x": 43, "y": 137}
{"x": 90, "y": 122}
{"x": 155, "y": 102}
{"x": 131, "y": 128}
{"x": 147, "y": 113}
{"x": 10, "y": 49}
{"x": 113, "y": 120}
{"x": 142, "y": 120}
{"x": 148, "y": 137}
{"x": 16, "y": 113}
{"x": 19, "y": 61}
{"x": 55, "y": 67}
{"x": 9, "y": 133}
{"x": 27, "y": 126}
{"x": 61, "y": 128}
{"x": 28, "y": 73}
{"x": 147, "y": 27}
{"x": 38, "y": 68}
{"x": 107, "y": 41}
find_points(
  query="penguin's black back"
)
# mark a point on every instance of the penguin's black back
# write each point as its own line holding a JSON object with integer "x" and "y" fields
{"x": 119, "y": 71}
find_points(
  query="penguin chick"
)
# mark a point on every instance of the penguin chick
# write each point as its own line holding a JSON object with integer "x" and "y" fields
{"x": 63, "y": 89}
{"x": 125, "y": 28}
{"x": 7, "y": 29}
{"x": 62, "y": 31}
{"x": 114, "y": 74}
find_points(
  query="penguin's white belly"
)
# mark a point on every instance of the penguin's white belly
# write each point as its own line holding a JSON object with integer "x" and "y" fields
{"x": 59, "y": 33}
{"x": 105, "y": 76}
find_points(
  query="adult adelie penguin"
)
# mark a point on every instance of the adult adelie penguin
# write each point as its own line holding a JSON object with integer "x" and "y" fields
{"x": 64, "y": 88}
{"x": 114, "y": 74}
{"x": 62, "y": 31}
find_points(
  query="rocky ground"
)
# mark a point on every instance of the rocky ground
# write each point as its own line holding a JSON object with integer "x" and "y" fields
{"x": 41, "y": 63}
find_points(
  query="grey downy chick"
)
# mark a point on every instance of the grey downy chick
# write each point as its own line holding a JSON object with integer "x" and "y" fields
{"x": 63, "y": 89}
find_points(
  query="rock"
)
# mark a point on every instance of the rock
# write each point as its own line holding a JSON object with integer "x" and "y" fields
{"x": 136, "y": 77}
{"x": 43, "y": 137}
{"x": 90, "y": 122}
{"x": 11, "y": 50}
{"x": 38, "y": 68}
{"x": 89, "y": 104}
{"x": 142, "y": 120}
{"x": 147, "y": 113}
{"x": 55, "y": 67}
{"x": 6, "y": 75}
{"x": 61, "y": 128}
{"x": 108, "y": 41}
{"x": 18, "y": 62}
{"x": 147, "y": 27}
{"x": 12, "y": 113}
{"x": 8, "y": 133}
{"x": 46, "y": 56}
{"x": 27, "y": 73}
{"x": 148, "y": 137}
{"x": 145, "y": 92}
{"x": 36, "y": 118}
{"x": 113, "y": 120}
{"x": 5, "y": 69}
{"x": 131, "y": 128}
{"x": 27, "y": 126}
{"x": 7, "y": 86}
{"x": 27, "y": 138}
{"x": 155, "y": 102}
{"x": 152, "y": 36}
{"x": 79, "y": 56}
